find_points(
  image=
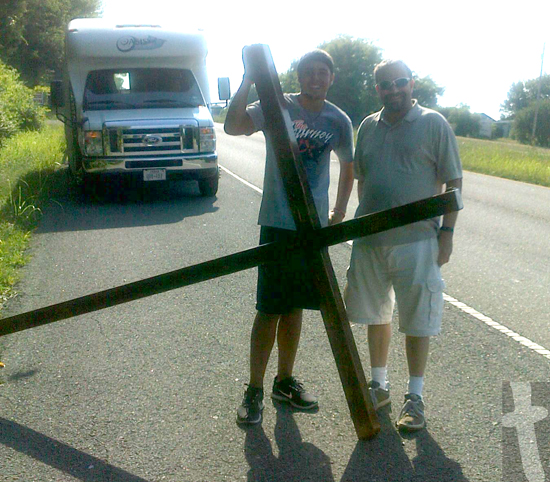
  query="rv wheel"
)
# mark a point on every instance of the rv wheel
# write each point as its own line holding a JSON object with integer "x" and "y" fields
{"x": 209, "y": 186}
{"x": 76, "y": 171}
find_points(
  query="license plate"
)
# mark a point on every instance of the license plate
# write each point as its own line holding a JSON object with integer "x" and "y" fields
{"x": 154, "y": 175}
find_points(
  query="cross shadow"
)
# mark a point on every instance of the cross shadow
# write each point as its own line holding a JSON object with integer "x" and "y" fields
{"x": 383, "y": 458}
{"x": 298, "y": 461}
{"x": 61, "y": 456}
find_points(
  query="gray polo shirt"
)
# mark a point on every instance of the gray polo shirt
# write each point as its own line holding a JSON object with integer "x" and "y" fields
{"x": 317, "y": 134}
{"x": 403, "y": 163}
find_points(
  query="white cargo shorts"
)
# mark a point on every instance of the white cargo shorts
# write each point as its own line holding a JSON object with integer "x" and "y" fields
{"x": 378, "y": 276}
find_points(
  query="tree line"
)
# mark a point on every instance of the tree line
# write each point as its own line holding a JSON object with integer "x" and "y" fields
{"x": 32, "y": 35}
{"x": 31, "y": 49}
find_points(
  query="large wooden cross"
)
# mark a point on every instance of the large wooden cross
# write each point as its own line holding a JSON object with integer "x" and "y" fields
{"x": 311, "y": 240}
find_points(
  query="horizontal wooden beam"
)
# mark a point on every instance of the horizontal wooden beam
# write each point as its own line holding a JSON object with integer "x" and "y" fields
{"x": 355, "y": 228}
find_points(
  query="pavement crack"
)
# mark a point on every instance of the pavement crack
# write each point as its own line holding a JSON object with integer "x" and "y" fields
{"x": 104, "y": 335}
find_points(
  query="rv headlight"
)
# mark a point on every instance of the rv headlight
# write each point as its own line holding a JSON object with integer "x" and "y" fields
{"x": 207, "y": 139}
{"x": 93, "y": 143}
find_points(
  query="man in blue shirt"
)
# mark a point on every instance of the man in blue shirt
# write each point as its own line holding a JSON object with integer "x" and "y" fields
{"x": 286, "y": 288}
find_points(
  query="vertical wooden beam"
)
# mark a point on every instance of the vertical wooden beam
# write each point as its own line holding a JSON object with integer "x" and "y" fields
{"x": 280, "y": 131}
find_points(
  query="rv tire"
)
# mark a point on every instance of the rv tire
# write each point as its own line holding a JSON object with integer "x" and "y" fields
{"x": 209, "y": 186}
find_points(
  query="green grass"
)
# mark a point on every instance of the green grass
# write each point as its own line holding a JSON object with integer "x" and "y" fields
{"x": 13, "y": 242}
{"x": 506, "y": 158}
{"x": 28, "y": 166}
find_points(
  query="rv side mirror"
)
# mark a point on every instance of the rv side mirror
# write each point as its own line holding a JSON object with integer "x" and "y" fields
{"x": 224, "y": 88}
{"x": 56, "y": 94}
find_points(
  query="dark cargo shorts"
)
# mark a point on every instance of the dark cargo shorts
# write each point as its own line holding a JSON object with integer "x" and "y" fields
{"x": 287, "y": 283}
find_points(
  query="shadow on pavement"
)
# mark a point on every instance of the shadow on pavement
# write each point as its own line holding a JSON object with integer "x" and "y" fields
{"x": 431, "y": 462}
{"x": 298, "y": 461}
{"x": 60, "y": 455}
{"x": 23, "y": 375}
{"x": 116, "y": 202}
{"x": 383, "y": 459}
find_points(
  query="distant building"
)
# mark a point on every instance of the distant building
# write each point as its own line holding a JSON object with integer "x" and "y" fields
{"x": 490, "y": 128}
{"x": 486, "y": 126}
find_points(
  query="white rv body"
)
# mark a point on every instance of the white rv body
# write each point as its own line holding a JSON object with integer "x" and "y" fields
{"x": 136, "y": 101}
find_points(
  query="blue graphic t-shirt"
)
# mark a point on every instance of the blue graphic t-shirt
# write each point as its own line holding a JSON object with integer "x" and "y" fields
{"x": 317, "y": 134}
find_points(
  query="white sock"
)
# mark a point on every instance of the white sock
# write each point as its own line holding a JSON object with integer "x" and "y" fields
{"x": 379, "y": 375}
{"x": 416, "y": 384}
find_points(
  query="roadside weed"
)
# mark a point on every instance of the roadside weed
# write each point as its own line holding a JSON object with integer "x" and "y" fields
{"x": 27, "y": 162}
{"x": 20, "y": 207}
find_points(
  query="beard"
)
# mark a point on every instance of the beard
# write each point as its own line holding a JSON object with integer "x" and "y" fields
{"x": 397, "y": 102}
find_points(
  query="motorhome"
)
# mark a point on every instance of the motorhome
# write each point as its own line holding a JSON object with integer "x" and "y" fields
{"x": 135, "y": 101}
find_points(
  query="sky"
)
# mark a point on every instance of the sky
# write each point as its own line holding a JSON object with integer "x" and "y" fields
{"x": 476, "y": 49}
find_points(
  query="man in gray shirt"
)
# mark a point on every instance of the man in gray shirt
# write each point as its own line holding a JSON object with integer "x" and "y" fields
{"x": 404, "y": 153}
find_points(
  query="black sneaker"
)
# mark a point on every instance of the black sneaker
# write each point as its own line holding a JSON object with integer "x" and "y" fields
{"x": 292, "y": 391}
{"x": 251, "y": 409}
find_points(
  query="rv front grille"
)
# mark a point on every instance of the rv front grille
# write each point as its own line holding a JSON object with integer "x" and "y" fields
{"x": 148, "y": 141}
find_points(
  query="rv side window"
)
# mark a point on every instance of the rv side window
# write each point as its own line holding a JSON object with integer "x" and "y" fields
{"x": 141, "y": 89}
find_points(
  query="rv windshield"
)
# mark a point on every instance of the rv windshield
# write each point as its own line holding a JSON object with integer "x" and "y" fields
{"x": 141, "y": 89}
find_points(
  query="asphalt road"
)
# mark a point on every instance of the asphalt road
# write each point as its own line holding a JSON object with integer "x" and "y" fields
{"x": 500, "y": 261}
{"x": 147, "y": 391}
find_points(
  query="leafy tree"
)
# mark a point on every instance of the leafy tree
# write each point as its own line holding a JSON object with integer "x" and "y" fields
{"x": 524, "y": 120}
{"x": 11, "y": 28}
{"x": 463, "y": 122}
{"x": 289, "y": 79}
{"x": 497, "y": 131}
{"x": 353, "y": 89}
{"x": 426, "y": 91}
{"x": 522, "y": 94}
{"x": 18, "y": 111}
{"x": 32, "y": 33}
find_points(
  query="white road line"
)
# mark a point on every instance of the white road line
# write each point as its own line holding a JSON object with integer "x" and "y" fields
{"x": 245, "y": 182}
{"x": 497, "y": 326}
{"x": 449, "y": 299}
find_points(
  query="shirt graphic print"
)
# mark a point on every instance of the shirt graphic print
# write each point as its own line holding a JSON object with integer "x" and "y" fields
{"x": 311, "y": 142}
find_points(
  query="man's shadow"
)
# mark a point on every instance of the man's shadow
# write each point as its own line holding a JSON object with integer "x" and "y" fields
{"x": 298, "y": 461}
{"x": 431, "y": 463}
{"x": 383, "y": 459}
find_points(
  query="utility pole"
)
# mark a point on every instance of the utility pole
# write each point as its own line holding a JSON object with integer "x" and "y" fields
{"x": 538, "y": 97}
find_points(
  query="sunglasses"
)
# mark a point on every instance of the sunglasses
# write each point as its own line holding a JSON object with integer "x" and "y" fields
{"x": 399, "y": 83}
